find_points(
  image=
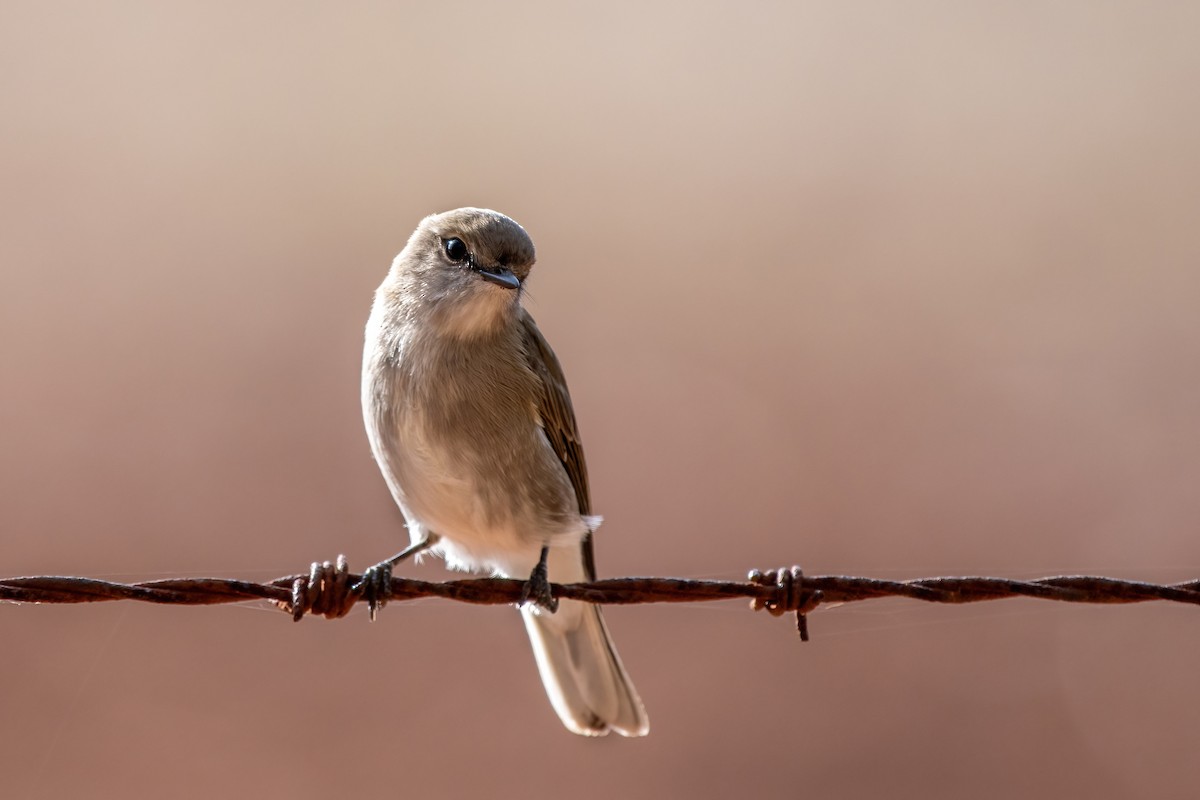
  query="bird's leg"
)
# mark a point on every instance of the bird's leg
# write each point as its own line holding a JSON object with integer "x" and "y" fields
{"x": 376, "y": 582}
{"x": 537, "y": 588}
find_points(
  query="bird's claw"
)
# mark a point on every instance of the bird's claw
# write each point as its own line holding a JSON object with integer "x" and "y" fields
{"x": 376, "y": 587}
{"x": 537, "y": 590}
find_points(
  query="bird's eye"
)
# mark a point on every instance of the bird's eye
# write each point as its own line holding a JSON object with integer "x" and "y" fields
{"x": 456, "y": 249}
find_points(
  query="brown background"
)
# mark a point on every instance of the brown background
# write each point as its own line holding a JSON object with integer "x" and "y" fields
{"x": 895, "y": 289}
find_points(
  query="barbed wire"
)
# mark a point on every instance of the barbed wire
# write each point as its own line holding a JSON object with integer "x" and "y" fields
{"x": 331, "y": 590}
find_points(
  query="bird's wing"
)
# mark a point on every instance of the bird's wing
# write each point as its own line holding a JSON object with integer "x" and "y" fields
{"x": 558, "y": 423}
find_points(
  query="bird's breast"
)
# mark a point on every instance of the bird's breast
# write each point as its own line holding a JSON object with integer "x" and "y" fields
{"x": 455, "y": 432}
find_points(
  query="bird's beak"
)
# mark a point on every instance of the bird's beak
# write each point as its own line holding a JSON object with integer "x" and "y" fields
{"x": 501, "y": 276}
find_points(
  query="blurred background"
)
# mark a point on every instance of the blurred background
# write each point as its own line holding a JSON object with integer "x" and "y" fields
{"x": 882, "y": 289}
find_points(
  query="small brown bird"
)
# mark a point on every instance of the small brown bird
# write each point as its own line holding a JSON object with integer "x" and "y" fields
{"x": 470, "y": 420}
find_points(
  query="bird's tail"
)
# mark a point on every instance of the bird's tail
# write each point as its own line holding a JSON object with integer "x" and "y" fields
{"x": 582, "y": 673}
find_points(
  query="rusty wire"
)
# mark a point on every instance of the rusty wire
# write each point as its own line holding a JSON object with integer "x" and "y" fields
{"x": 331, "y": 590}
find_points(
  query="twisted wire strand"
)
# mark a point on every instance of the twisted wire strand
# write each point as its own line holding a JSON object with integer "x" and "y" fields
{"x": 331, "y": 590}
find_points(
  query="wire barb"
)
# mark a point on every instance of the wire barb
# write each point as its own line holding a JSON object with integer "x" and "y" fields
{"x": 326, "y": 590}
{"x": 790, "y": 595}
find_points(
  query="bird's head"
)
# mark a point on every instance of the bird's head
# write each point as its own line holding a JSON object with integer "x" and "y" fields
{"x": 465, "y": 269}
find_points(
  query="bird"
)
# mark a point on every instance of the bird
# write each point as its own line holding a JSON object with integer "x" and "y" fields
{"x": 470, "y": 421}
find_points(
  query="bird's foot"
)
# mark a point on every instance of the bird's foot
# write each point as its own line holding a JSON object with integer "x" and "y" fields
{"x": 376, "y": 586}
{"x": 537, "y": 588}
